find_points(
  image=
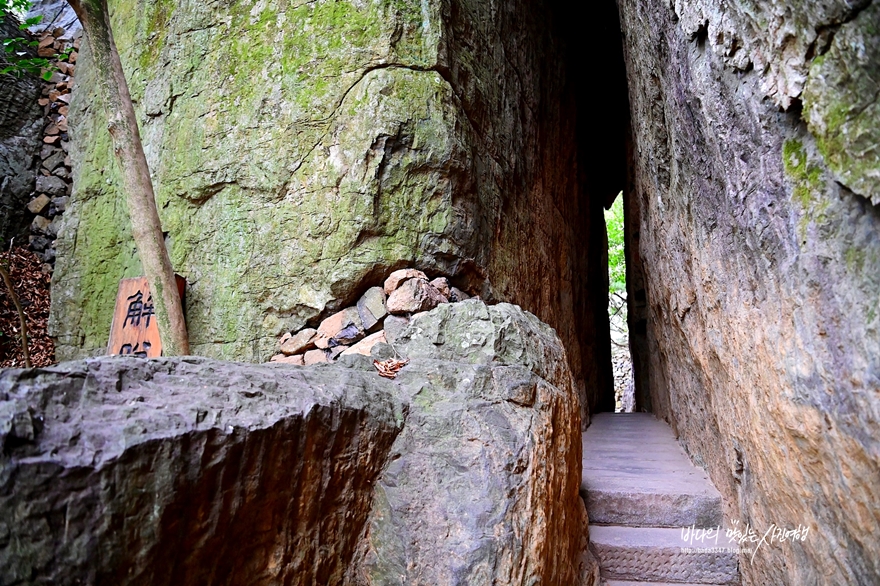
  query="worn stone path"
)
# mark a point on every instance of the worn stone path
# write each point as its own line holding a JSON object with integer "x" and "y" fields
{"x": 641, "y": 490}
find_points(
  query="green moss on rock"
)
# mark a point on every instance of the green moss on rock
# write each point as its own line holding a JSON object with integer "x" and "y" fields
{"x": 295, "y": 148}
{"x": 841, "y": 105}
{"x": 808, "y": 186}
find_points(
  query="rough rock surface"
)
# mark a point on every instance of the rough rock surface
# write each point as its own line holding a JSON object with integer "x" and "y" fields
{"x": 187, "y": 471}
{"x": 760, "y": 253}
{"x": 371, "y": 307}
{"x": 55, "y": 13}
{"x": 380, "y": 134}
{"x": 192, "y": 471}
{"x": 842, "y": 107}
{"x": 413, "y": 296}
{"x": 20, "y": 124}
{"x": 482, "y": 485}
{"x": 299, "y": 342}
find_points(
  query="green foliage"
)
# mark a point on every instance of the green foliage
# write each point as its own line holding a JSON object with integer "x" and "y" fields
{"x": 616, "y": 273}
{"x": 616, "y": 257}
{"x": 16, "y": 6}
{"x": 15, "y": 59}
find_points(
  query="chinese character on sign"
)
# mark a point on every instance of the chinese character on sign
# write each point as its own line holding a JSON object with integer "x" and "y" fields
{"x": 135, "y": 331}
{"x": 138, "y": 310}
{"x": 128, "y": 349}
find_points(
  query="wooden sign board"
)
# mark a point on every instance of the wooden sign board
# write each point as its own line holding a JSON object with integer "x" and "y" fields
{"x": 134, "y": 330}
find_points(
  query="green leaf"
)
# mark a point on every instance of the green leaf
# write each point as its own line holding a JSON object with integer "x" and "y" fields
{"x": 32, "y": 21}
{"x": 616, "y": 248}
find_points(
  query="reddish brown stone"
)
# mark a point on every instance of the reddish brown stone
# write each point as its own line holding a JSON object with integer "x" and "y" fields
{"x": 415, "y": 295}
{"x": 442, "y": 285}
{"x": 315, "y": 357}
{"x": 365, "y": 345}
{"x": 397, "y": 278}
{"x": 299, "y": 342}
{"x": 344, "y": 327}
{"x": 297, "y": 360}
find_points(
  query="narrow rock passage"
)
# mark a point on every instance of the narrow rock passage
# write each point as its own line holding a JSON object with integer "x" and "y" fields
{"x": 641, "y": 490}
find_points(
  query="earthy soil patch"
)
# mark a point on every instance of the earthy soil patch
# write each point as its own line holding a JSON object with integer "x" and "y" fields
{"x": 32, "y": 287}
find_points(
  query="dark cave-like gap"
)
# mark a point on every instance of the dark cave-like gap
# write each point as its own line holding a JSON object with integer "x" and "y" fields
{"x": 596, "y": 71}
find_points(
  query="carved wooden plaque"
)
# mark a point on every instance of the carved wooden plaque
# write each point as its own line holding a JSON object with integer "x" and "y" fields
{"x": 134, "y": 330}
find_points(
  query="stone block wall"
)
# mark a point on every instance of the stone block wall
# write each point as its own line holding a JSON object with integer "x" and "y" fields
{"x": 20, "y": 124}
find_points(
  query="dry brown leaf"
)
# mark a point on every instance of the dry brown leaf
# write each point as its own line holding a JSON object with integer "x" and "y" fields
{"x": 32, "y": 287}
{"x": 389, "y": 368}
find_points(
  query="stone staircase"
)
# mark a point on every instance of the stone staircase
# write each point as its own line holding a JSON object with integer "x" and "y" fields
{"x": 641, "y": 490}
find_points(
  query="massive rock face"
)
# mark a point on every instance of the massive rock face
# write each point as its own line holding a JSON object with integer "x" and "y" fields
{"x": 463, "y": 470}
{"x": 301, "y": 151}
{"x": 758, "y": 240}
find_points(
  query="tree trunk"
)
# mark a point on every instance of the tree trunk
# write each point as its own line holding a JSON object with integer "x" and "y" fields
{"x": 145, "y": 225}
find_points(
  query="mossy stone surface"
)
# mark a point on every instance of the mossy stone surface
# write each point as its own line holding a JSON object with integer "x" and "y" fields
{"x": 841, "y": 104}
{"x": 266, "y": 129}
{"x": 302, "y": 151}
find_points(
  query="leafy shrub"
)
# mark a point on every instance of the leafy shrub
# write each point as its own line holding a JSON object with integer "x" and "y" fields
{"x": 16, "y": 59}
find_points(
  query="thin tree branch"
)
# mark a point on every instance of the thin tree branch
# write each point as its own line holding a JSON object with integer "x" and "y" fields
{"x": 24, "y": 336}
{"x": 146, "y": 228}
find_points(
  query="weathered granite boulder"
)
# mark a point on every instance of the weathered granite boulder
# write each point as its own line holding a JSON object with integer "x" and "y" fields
{"x": 302, "y": 151}
{"x": 758, "y": 238}
{"x": 482, "y": 484}
{"x": 187, "y": 471}
{"x": 473, "y": 332}
{"x": 463, "y": 470}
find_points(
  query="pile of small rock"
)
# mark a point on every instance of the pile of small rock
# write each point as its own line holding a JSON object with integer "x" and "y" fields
{"x": 54, "y": 176}
{"x": 356, "y": 329}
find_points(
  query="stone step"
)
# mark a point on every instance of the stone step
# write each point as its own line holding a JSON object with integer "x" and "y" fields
{"x": 630, "y": 583}
{"x": 635, "y": 473}
{"x": 652, "y": 554}
{"x": 652, "y": 504}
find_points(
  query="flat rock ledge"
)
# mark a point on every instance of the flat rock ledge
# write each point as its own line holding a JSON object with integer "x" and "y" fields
{"x": 187, "y": 471}
{"x": 462, "y": 470}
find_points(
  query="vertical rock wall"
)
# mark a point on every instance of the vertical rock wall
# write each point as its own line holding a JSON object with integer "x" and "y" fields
{"x": 20, "y": 125}
{"x": 755, "y": 130}
{"x": 301, "y": 151}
